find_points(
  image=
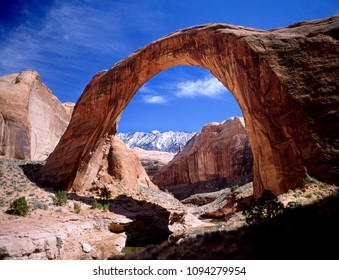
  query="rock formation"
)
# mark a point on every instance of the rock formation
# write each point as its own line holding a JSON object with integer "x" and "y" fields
{"x": 218, "y": 151}
{"x": 285, "y": 81}
{"x": 153, "y": 161}
{"x": 113, "y": 167}
{"x": 32, "y": 119}
{"x": 61, "y": 236}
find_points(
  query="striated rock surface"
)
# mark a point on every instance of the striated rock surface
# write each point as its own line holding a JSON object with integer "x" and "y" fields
{"x": 60, "y": 235}
{"x": 285, "y": 81}
{"x": 32, "y": 119}
{"x": 220, "y": 150}
{"x": 153, "y": 161}
{"x": 113, "y": 167}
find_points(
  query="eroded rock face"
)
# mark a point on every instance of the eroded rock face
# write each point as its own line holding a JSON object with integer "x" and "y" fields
{"x": 114, "y": 167}
{"x": 32, "y": 119}
{"x": 153, "y": 161}
{"x": 220, "y": 150}
{"x": 285, "y": 81}
{"x": 60, "y": 236}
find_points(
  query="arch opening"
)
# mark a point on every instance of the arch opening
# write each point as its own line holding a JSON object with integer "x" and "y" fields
{"x": 182, "y": 98}
{"x": 173, "y": 106}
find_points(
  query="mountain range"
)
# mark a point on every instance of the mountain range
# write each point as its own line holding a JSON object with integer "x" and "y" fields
{"x": 169, "y": 141}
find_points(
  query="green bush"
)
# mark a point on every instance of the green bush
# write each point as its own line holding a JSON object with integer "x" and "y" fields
{"x": 19, "y": 207}
{"x": 105, "y": 207}
{"x": 77, "y": 207}
{"x": 96, "y": 205}
{"x": 265, "y": 209}
{"x": 234, "y": 187}
{"x": 60, "y": 198}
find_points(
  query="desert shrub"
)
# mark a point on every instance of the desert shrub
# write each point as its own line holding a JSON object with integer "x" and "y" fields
{"x": 309, "y": 179}
{"x": 265, "y": 209}
{"x": 96, "y": 205}
{"x": 60, "y": 198}
{"x": 309, "y": 195}
{"x": 19, "y": 207}
{"x": 105, "y": 207}
{"x": 105, "y": 193}
{"x": 39, "y": 205}
{"x": 77, "y": 207}
{"x": 234, "y": 188}
{"x": 2, "y": 201}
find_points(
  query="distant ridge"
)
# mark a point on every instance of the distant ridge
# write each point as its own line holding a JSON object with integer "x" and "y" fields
{"x": 169, "y": 141}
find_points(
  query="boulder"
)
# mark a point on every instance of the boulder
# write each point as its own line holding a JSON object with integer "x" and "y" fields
{"x": 113, "y": 167}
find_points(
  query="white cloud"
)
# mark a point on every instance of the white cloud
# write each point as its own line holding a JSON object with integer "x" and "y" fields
{"x": 209, "y": 86}
{"x": 72, "y": 32}
{"x": 154, "y": 99}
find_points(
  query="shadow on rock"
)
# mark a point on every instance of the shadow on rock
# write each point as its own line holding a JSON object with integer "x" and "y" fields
{"x": 32, "y": 172}
{"x": 310, "y": 233}
{"x": 149, "y": 221}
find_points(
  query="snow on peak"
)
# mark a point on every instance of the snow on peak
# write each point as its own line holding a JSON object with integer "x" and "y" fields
{"x": 168, "y": 141}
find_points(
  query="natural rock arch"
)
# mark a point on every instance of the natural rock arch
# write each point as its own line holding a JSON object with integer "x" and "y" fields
{"x": 285, "y": 81}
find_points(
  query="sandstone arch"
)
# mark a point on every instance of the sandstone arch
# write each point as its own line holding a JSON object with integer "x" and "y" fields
{"x": 285, "y": 81}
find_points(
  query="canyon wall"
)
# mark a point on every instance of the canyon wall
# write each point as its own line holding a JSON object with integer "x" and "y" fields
{"x": 32, "y": 119}
{"x": 220, "y": 150}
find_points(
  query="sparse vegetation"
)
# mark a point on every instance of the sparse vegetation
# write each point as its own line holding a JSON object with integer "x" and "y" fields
{"x": 19, "y": 207}
{"x": 39, "y": 205}
{"x": 234, "y": 188}
{"x": 76, "y": 207}
{"x": 309, "y": 195}
{"x": 105, "y": 207}
{"x": 309, "y": 179}
{"x": 265, "y": 209}
{"x": 60, "y": 198}
{"x": 105, "y": 193}
{"x": 98, "y": 205}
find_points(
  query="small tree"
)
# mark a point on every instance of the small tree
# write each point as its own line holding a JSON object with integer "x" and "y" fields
{"x": 266, "y": 208}
{"x": 105, "y": 193}
{"x": 19, "y": 207}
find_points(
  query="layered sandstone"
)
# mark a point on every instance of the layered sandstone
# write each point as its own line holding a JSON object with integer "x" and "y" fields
{"x": 153, "y": 161}
{"x": 220, "y": 150}
{"x": 285, "y": 81}
{"x": 32, "y": 119}
{"x": 113, "y": 167}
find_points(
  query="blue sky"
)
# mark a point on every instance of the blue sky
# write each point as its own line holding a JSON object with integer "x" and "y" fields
{"x": 68, "y": 42}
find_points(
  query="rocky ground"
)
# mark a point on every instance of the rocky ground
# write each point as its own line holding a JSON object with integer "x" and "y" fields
{"x": 77, "y": 231}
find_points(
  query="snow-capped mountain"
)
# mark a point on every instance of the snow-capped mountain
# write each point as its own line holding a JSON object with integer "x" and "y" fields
{"x": 168, "y": 141}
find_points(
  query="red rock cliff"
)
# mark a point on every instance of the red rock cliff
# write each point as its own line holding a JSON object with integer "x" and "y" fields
{"x": 32, "y": 119}
{"x": 218, "y": 151}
